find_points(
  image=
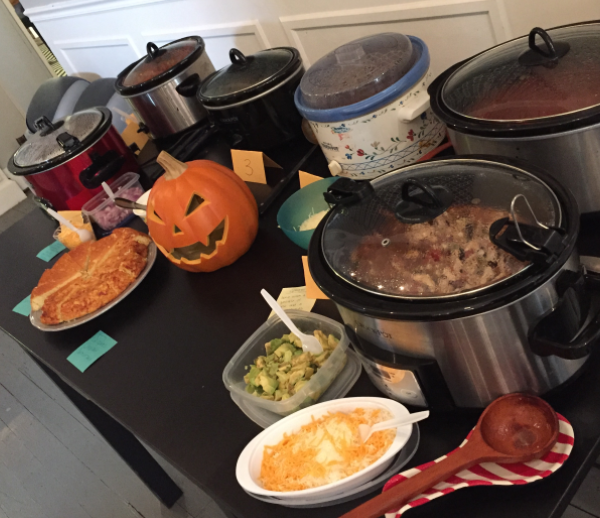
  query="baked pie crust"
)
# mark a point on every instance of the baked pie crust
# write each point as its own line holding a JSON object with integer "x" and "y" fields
{"x": 90, "y": 276}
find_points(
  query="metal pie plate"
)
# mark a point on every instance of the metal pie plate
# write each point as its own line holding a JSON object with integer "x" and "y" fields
{"x": 35, "y": 316}
{"x": 401, "y": 459}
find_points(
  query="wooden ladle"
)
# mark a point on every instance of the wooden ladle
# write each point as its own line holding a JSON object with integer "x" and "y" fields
{"x": 513, "y": 428}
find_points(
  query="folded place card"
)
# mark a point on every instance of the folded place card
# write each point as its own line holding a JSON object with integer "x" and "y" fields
{"x": 307, "y": 178}
{"x": 312, "y": 290}
{"x": 250, "y": 165}
{"x": 294, "y": 298}
{"x": 51, "y": 251}
{"x": 90, "y": 351}
{"x": 132, "y": 134}
{"x": 23, "y": 307}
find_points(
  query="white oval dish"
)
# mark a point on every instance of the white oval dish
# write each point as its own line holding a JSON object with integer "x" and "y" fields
{"x": 400, "y": 460}
{"x": 250, "y": 460}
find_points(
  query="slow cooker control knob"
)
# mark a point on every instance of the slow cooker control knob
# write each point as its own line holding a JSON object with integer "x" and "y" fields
{"x": 335, "y": 168}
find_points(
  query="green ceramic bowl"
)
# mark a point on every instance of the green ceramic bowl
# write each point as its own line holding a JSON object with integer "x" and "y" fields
{"x": 299, "y": 207}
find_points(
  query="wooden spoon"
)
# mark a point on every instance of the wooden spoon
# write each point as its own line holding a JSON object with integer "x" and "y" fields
{"x": 513, "y": 428}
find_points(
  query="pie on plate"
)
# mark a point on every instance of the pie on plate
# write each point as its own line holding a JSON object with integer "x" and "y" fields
{"x": 90, "y": 276}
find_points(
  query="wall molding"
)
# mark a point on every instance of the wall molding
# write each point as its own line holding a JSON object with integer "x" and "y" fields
{"x": 71, "y": 8}
{"x": 82, "y": 43}
{"x": 398, "y": 12}
{"x": 218, "y": 30}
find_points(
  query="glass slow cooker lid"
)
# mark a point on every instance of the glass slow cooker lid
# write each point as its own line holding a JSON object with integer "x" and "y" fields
{"x": 541, "y": 75}
{"x": 424, "y": 231}
{"x": 248, "y": 76}
{"x": 357, "y": 70}
{"x": 53, "y": 141}
{"x": 160, "y": 64}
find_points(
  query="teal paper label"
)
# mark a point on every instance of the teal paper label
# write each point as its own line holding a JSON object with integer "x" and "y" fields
{"x": 90, "y": 351}
{"x": 51, "y": 251}
{"x": 23, "y": 307}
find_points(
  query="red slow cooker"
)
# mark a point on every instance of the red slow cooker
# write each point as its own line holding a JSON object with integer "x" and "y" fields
{"x": 66, "y": 161}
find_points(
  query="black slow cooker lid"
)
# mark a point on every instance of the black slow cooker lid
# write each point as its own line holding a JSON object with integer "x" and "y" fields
{"x": 336, "y": 281}
{"x": 249, "y": 76}
{"x": 423, "y": 231}
{"x": 541, "y": 83}
{"x": 55, "y": 143}
{"x": 159, "y": 65}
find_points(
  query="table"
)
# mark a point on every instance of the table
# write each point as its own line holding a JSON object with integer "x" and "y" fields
{"x": 177, "y": 330}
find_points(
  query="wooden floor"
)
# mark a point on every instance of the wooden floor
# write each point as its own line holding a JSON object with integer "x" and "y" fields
{"x": 53, "y": 464}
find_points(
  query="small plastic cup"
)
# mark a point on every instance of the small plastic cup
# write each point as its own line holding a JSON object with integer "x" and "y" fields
{"x": 103, "y": 211}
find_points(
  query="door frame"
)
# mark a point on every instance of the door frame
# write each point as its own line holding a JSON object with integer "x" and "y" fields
{"x": 28, "y": 36}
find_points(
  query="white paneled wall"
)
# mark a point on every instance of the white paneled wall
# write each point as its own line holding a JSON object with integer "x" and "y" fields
{"x": 470, "y": 25}
{"x": 104, "y": 36}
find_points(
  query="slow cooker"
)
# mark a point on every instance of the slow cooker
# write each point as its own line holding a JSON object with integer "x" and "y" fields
{"x": 458, "y": 279}
{"x": 252, "y": 99}
{"x": 161, "y": 87}
{"x": 66, "y": 161}
{"x": 368, "y": 106}
{"x": 534, "y": 98}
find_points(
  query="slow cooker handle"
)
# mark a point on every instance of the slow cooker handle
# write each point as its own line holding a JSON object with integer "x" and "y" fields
{"x": 537, "y": 56}
{"x": 421, "y": 202}
{"x": 237, "y": 57}
{"x": 102, "y": 169}
{"x": 189, "y": 86}
{"x": 154, "y": 50}
{"x": 543, "y": 338}
{"x": 414, "y": 107}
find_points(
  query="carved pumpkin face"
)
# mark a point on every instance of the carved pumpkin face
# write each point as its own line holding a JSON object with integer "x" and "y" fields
{"x": 202, "y": 219}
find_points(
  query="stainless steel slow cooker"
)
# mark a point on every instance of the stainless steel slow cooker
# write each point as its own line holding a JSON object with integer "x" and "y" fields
{"x": 458, "y": 279}
{"x": 534, "y": 98}
{"x": 161, "y": 87}
{"x": 66, "y": 161}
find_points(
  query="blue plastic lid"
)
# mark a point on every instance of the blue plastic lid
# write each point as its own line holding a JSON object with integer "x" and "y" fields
{"x": 361, "y": 76}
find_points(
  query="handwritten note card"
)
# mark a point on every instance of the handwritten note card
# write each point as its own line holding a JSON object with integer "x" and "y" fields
{"x": 23, "y": 307}
{"x": 250, "y": 165}
{"x": 312, "y": 290}
{"x": 51, "y": 251}
{"x": 132, "y": 134}
{"x": 294, "y": 298}
{"x": 307, "y": 178}
{"x": 90, "y": 351}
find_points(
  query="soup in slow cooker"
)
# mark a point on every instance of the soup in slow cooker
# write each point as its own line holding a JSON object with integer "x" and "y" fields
{"x": 448, "y": 255}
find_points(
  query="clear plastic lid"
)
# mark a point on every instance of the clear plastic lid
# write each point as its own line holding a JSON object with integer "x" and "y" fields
{"x": 53, "y": 140}
{"x": 541, "y": 75}
{"x": 357, "y": 70}
{"x": 161, "y": 60}
{"x": 248, "y": 75}
{"x": 424, "y": 231}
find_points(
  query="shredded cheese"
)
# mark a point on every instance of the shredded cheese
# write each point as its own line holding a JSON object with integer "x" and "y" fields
{"x": 324, "y": 451}
{"x": 312, "y": 221}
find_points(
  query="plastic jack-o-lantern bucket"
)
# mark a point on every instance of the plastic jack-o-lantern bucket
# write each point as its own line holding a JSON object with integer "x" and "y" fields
{"x": 201, "y": 215}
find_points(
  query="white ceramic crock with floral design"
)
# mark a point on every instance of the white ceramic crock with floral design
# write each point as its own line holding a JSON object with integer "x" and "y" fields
{"x": 388, "y": 130}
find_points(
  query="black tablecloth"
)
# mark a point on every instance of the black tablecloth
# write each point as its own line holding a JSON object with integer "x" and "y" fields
{"x": 177, "y": 331}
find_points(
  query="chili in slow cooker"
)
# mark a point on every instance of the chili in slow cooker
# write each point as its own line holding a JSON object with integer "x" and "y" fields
{"x": 450, "y": 254}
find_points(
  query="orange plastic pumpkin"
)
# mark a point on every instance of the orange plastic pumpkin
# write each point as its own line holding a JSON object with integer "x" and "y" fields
{"x": 201, "y": 215}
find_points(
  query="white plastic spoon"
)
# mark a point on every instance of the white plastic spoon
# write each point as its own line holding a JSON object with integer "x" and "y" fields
{"x": 84, "y": 234}
{"x": 365, "y": 430}
{"x": 108, "y": 191}
{"x": 309, "y": 343}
